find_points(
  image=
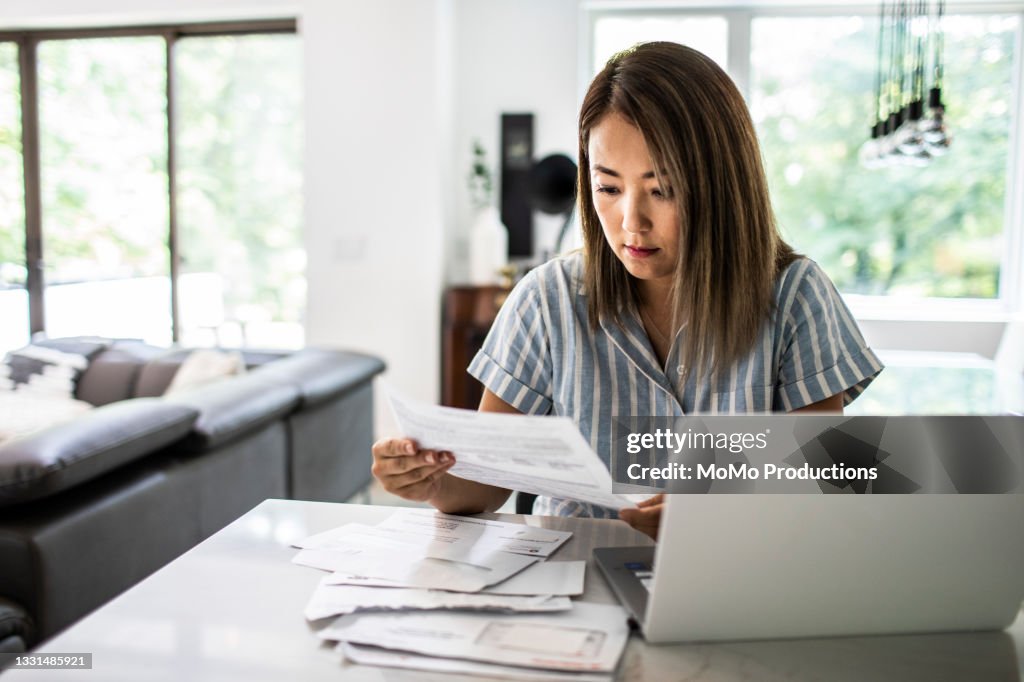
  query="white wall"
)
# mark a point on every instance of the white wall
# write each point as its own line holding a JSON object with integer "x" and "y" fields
{"x": 375, "y": 207}
{"x": 511, "y": 56}
{"x": 395, "y": 92}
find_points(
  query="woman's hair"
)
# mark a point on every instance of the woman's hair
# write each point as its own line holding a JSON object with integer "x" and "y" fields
{"x": 702, "y": 142}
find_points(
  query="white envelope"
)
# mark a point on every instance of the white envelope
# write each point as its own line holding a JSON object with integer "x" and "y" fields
{"x": 368, "y": 655}
{"x": 458, "y": 573}
{"x": 560, "y": 578}
{"x": 335, "y": 600}
{"x": 434, "y": 530}
{"x": 589, "y": 638}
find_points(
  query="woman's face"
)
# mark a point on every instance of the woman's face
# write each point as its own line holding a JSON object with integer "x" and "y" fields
{"x": 637, "y": 214}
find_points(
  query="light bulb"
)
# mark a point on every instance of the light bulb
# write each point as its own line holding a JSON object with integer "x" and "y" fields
{"x": 910, "y": 140}
{"x": 933, "y": 127}
{"x": 939, "y": 143}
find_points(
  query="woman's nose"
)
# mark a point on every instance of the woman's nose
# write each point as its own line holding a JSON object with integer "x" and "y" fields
{"x": 634, "y": 216}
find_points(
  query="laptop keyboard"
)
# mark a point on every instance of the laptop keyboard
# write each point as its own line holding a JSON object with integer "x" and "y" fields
{"x": 643, "y": 573}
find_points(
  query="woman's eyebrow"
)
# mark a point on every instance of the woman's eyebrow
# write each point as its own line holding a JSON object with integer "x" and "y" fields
{"x": 608, "y": 171}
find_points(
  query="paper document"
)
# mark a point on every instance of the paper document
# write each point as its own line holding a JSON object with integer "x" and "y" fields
{"x": 590, "y": 637}
{"x": 462, "y": 531}
{"x": 541, "y": 455}
{"x": 356, "y": 539}
{"x": 437, "y": 530}
{"x": 335, "y": 600}
{"x": 403, "y": 565}
{"x": 563, "y": 578}
{"x": 363, "y": 535}
{"x": 368, "y": 655}
{"x": 560, "y": 578}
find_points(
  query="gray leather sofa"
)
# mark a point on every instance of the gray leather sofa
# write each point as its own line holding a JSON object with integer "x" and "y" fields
{"x": 90, "y": 507}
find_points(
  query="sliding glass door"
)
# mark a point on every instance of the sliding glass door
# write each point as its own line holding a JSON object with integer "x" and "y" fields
{"x": 103, "y": 152}
{"x": 151, "y": 184}
{"x": 14, "y": 330}
{"x": 239, "y": 190}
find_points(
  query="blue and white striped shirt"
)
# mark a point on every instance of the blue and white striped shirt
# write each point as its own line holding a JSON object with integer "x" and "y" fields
{"x": 541, "y": 357}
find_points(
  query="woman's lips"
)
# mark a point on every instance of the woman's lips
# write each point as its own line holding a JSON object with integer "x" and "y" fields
{"x": 640, "y": 251}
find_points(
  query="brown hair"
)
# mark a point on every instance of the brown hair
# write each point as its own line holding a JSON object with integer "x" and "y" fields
{"x": 701, "y": 137}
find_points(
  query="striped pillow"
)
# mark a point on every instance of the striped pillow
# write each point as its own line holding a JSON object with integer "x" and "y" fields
{"x": 43, "y": 370}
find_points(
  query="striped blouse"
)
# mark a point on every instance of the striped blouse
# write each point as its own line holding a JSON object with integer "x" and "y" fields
{"x": 541, "y": 357}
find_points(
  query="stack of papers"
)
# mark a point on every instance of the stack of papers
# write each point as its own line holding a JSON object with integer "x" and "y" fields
{"x": 430, "y": 591}
{"x": 588, "y": 638}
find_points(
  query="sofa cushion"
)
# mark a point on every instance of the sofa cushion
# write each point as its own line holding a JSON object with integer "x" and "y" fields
{"x": 113, "y": 373}
{"x": 68, "y": 454}
{"x": 321, "y": 375}
{"x": 234, "y": 407}
{"x": 203, "y": 366}
{"x": 257, "y": 357}
{"x": 157, "y": 374}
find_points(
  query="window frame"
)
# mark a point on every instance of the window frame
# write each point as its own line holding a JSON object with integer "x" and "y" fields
{"x": 27, "y": 41}
{"x": 739, "y": 18}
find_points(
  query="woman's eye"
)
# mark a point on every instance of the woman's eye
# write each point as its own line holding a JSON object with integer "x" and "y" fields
{"x": 662, "y": 194}
{"x": 605, "y": 189}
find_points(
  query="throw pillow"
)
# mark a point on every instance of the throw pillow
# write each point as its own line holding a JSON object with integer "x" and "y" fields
{"x": 203, "y": 366}
{"x": 46, "y": 368}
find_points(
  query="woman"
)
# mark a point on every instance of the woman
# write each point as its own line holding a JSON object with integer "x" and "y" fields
{"x": 684, "y": 300}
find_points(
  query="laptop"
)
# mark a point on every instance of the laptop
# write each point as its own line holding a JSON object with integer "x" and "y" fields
{"x": 769, "y": 566}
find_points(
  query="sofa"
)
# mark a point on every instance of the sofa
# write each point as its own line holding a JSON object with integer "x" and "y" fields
{"x": 91, "y": 506}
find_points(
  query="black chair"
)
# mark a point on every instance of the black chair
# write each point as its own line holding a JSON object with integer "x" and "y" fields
{"x": 524, "y": 502}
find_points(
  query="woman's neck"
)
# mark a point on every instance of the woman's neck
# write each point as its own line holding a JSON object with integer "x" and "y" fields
{"x": 656, "y": 316}
{"x": 656, "y": 300}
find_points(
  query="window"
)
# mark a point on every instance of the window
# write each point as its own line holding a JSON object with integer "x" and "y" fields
{"x": 169, "y": 184}
{"x": 240, "y": 190}
{"x": 13, "y": 296}
{"x": 103, "y": 161}
{"x": 896, "y": 233}
{"x": 936, "y": 231}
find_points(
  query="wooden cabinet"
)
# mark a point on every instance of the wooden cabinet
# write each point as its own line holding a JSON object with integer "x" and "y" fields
{"x": 467, "y": 315}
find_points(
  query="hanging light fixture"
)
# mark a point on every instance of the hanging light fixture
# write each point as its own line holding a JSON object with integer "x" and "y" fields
{"x": 903, "y": 132}
{"x": 910, "y": 141}
{"x": 933, "y": 128}
{"x": 871, "y": 151}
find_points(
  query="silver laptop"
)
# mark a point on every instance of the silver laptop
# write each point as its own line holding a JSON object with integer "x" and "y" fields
{"x": 766, "y": 566}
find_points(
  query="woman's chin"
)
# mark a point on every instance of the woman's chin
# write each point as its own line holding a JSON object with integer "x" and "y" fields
{"x": 646, "y": 271}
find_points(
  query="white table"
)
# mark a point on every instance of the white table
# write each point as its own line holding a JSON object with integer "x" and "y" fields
{"x": 231, "y": 609}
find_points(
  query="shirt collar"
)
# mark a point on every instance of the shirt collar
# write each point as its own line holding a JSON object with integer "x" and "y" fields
{"x": 631, "y": 339}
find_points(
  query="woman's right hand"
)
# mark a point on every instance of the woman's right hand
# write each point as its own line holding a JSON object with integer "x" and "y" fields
{"x": 405, "y": 470}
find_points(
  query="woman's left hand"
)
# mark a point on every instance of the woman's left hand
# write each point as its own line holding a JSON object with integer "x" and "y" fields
{"x": 646, "y": 516}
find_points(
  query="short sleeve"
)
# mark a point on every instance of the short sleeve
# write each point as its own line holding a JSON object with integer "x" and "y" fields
{"x": 514, "y": 362}
{"x": 823, "y": 351}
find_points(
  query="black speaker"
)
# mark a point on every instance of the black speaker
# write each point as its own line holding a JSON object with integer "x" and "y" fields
{"x": 516, "y": 162}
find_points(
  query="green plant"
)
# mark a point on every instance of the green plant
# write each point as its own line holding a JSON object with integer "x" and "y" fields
{"x": 480, "y": 179}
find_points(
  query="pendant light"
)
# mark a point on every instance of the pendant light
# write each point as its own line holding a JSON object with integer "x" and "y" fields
{"x": 903, "y": 132}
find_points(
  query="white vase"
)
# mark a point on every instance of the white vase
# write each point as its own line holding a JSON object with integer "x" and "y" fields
{"x": 488, "y": 247}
